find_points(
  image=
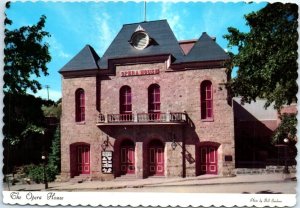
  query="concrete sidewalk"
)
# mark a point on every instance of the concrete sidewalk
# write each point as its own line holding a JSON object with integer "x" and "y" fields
{"x": 153, "y": 182}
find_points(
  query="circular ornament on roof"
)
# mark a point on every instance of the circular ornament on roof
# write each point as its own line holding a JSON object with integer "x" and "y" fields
{"x": 140, "y": 40}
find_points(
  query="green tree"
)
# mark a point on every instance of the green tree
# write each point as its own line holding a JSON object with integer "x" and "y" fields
{"x": 23, "y": 117}
{"x": 52, "y": 110}
{"x": 286, "y": 129}
{"x": 267, "y": 55}
{"x": 26, "y": 55}
{"x": 53, "y": 166}
{"x": 36, "y": 172}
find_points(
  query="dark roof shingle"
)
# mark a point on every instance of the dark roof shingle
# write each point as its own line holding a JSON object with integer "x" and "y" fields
{"x": 160, "y": 31}
{"x": 205, "y": 49}
{"x": 86, "y": 59}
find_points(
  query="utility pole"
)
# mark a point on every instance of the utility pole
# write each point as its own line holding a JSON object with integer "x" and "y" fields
{"x": 47, "y": 87}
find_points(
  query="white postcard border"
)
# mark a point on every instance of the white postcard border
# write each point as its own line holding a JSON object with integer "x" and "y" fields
{"x": 135, "y": 199}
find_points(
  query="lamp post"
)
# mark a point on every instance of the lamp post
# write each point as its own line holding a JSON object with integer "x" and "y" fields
{"x": 286, "y": 168}
{"x": 45, "y": 175}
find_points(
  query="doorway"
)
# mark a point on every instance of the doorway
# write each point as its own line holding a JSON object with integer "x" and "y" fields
{"x": 83, "y": 159}
{"x": 127, "y": 157}
{"x": 208, "y": 160}
{"x": 156, "y": 158}
{"x": 79, "y": 159}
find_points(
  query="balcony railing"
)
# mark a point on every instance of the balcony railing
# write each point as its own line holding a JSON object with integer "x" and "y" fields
{"x": 151, "y": 117}
{"x": 117, "y": 118}
{"x": 142, "y": 118}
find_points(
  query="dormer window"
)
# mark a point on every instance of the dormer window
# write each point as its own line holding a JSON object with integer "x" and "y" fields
{"x": 140, "y": 40}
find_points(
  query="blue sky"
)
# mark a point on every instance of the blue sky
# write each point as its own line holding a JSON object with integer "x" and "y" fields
{"x": 72, "y": 25}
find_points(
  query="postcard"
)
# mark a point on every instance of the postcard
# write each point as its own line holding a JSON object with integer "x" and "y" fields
{"x": 150, "y": 103}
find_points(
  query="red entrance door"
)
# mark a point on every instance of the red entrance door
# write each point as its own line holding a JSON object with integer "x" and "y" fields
{"x": 127, "y": 158}
{"x": 156, "y": 158}
{"x": 208, "y": 160}
{"x": 83, "y": 159}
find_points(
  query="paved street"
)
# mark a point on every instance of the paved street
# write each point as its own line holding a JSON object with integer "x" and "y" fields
{"x": 259, "y": 183}
{"x": 249, "y": 188}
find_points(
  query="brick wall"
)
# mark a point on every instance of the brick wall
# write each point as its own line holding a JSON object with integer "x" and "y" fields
{"x": 180, "y": 91}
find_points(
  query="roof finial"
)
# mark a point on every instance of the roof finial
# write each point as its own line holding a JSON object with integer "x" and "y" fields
{"x": 139, "y": 28}
{"x": 145, "y": 10}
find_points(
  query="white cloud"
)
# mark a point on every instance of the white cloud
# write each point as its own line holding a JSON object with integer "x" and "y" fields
{"x": 64, "y": 55}
{"x": 173, "y": 20}
{"x": 56, "y": 48}
{"x": 103, "y": 30}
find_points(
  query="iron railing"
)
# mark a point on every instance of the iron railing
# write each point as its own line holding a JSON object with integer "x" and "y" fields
{"x": 117, "y": 118}
{"x": 170, "y": 117}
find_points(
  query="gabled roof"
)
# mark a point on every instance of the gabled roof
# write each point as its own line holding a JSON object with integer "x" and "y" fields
{"x": 205, "y": 49}
{"x": 186, "y": 45}
{"x": 86, "y": 59}
{"x": 164, "y": 42}
{"x": 159, "y": 31}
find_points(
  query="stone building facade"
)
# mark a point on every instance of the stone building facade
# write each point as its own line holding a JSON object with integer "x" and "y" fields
{"x": 150, "y": 106}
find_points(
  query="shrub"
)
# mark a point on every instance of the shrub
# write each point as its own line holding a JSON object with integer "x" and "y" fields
{"x": 36, "y": 173}
{"x": 53, "y": 167}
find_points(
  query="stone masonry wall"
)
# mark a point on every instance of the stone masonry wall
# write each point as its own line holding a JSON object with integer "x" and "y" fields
{"x": 73, "y": 132}
{"x": 180, "y": 91}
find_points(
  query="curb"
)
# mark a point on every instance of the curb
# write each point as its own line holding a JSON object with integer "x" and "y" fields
{"x": 158, "y": 185}
{"x": 171, "y": 183}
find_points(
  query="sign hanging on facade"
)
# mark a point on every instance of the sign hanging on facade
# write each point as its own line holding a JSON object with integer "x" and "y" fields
{"x": 107, "y": 164}
{"x": 139, "y": 72}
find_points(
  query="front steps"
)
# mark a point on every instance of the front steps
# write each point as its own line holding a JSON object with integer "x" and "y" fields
{"x": 129, "y": 177}
{"x": 58, "y": 178}
{"x": 80, "y": 178}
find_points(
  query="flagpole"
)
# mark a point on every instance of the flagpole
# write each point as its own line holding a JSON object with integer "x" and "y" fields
{"x": 145, "y": 10}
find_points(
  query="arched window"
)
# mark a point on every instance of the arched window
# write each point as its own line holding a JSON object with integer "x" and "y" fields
{"x": 125, "y": 100}
{"x": 206, "y": 100}
{"x": 80, "y": 105}
{"x": 154, "y": 98}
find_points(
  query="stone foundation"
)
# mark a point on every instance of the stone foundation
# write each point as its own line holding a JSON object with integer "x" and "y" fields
{"x": 267, "y": 170}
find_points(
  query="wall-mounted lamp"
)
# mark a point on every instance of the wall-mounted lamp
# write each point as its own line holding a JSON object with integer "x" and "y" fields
{"x": 105, "y": 143}
{"x": 221, "y": 86}
{"x": 173, "y": 145}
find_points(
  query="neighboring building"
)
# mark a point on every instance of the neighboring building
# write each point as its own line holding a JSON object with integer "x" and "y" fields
{"x": 150, "y": 106}
{"x": 254, "y": 127}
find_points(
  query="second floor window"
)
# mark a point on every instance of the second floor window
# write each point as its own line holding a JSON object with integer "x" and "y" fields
{"x": 206, "y": 100}
{"x": 154, "y": 98}
{"x": 79, "y": 105}
{"x": 125, "y": 100}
